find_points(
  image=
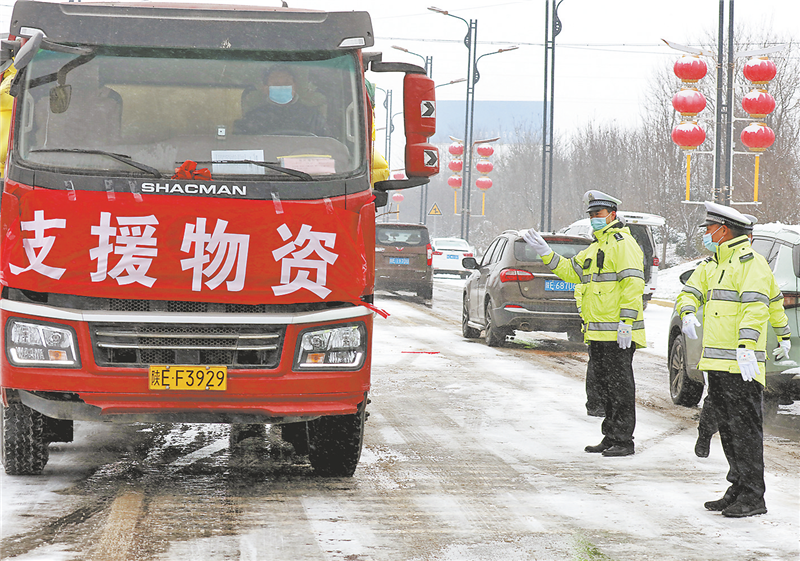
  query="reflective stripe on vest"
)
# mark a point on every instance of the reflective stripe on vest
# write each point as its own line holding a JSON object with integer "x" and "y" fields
{"x": 630, "y": 273}
{"x": 729, "y": 354}
{"x": 610, "y": 325}
{"x": 746, "y": 334}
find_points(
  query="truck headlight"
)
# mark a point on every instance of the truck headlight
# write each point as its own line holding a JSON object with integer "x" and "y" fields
{"x": 40, "y": 344}
{"x": 337, "y": 347}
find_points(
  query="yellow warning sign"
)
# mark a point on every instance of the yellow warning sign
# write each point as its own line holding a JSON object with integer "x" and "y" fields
{"x": 435, "y": 210}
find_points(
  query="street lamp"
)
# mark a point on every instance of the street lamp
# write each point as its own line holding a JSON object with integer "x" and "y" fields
{"x": 471, "y": 42}
{"x": 456, "y": 81}
{"x": 428, "y": 60}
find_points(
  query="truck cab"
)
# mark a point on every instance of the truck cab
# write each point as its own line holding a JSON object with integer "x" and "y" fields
{"x": 188, "y": 221}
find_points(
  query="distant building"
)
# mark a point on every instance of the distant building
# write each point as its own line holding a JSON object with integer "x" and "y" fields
{"x": 491, "y": 118}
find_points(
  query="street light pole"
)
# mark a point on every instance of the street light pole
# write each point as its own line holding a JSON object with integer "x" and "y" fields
{"x": 471, "y": 42}
{"x": 550, "y": 33}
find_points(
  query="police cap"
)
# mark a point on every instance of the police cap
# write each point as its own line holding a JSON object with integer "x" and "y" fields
{"x": 753, "y": 220}
{"x": 725, "y": 216}
{"x": 596, "y": 200}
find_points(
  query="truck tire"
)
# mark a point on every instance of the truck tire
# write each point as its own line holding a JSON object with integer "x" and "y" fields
{"x": 24, "y": 449}
{"x": 296, "y": 434}
{"x": 240, "y": 433}
{"x": 334, "y": 444}
{"x": 682, "y": 389}
{"x": 467, "y": 331}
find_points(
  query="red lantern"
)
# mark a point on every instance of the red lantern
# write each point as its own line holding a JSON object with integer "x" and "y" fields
{"x": 484, "y": 167}
{"x": 690, "y": 69}
{"x": 758, "y": 103}
{"x": 757, "y": 137}
{"x": 454, "y": 181}
{"x": 483, "y": 183}
{"x": 485, "y": 150}
{"x": 689, "y": 102}
{"x": 456, "y": 149}
{"x": 398, "y": 197}
{"x": 760, "y": 70}
{"x": 688, "y": 135}
{"x": 455, "y": 165}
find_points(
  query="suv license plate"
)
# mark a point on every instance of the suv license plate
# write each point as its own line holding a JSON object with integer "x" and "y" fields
{"x": 559, "y": 285}
{"x": 399, "y": 261}
{"x": 206, "y": 378}
{"x": 453, "y": 256}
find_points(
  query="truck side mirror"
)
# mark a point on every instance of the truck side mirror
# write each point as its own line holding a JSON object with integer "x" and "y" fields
{"x": 27, "y": 51}
{"x": 419, "y": 111}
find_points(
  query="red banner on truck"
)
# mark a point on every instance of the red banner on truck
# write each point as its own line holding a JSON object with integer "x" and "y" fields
{"x": 157, "y": 247}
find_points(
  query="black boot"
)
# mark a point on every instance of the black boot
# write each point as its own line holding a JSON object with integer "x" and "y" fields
{"x": 743, "y": 507}
{"x": 703, "y": 445}
{"x": 727, "y": 500}
{"x": 602, "y": 447}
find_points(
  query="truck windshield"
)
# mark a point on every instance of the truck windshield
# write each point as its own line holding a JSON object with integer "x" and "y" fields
{"x": 226, "y": 111}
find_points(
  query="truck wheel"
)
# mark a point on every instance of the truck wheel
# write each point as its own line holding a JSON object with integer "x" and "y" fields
{"x": 334, "y": 444}
{"x": 296, "y": 434}
{"x": 466, "y": 330}
{"x": 682, "y": 389}
{"x": 240, "y": 433}
{"x": 24, "y": 449}
{"x": 495, "y": 336}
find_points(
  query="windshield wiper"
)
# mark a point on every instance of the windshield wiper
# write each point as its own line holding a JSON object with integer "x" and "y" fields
{"x": 274, "y": 166}
{"x": 119, "y": 157}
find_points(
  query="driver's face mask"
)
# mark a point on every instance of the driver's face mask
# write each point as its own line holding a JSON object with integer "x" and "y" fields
{"x": 281, "y": 94}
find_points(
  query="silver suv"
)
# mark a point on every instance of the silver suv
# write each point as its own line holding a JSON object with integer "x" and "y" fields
{"x": 780, "y": 246}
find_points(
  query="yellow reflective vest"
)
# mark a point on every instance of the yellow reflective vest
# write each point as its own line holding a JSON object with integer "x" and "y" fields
{"x": 611, "y": 279}
{"x": 739, "y": 296}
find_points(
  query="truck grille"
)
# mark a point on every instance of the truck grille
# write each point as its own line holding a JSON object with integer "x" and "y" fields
{"x": 140, "y": 345}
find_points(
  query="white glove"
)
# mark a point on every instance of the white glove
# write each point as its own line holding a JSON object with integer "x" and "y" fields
{"x": 747, "y": 363}
{"x": 781, "y": 352}
{"x": 624, "y": 335}
{"x": 536, "y": 241}
{"x": 689, "y": 324}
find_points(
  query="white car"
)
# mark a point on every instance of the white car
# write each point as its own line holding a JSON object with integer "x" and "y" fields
{"x": 447, "y": 256}
{"x": 640, "y": 225}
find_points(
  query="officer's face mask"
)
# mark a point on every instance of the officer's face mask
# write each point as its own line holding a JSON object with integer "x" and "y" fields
{"x": 711, "y": 245}
{"x": 281, "y": 94}
{"x": 598, "y": 223}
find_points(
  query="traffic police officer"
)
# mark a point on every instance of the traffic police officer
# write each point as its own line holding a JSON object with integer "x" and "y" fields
{"x": 611, "y": 273}
{"x": 740, "y": 297}
{"x": 707, "y": 426}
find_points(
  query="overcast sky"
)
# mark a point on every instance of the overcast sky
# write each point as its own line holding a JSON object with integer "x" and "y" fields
{"x": 605, "y": 54}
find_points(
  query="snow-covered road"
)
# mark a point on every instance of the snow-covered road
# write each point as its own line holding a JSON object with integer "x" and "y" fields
{"x": 471, "y": 453}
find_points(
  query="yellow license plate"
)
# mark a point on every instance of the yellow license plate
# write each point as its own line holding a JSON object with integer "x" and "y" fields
{"x": 207, "y": 378}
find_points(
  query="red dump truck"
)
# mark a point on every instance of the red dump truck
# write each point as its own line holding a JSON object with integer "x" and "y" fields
{"x": 188, "y": 221}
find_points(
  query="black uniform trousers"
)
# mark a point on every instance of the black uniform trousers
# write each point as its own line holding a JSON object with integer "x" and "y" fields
{"x": 613, "y": 376}
{"x": 594, "y": 395}
{"x": 737, "y": 405}
{"x": 707, "y": 425}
